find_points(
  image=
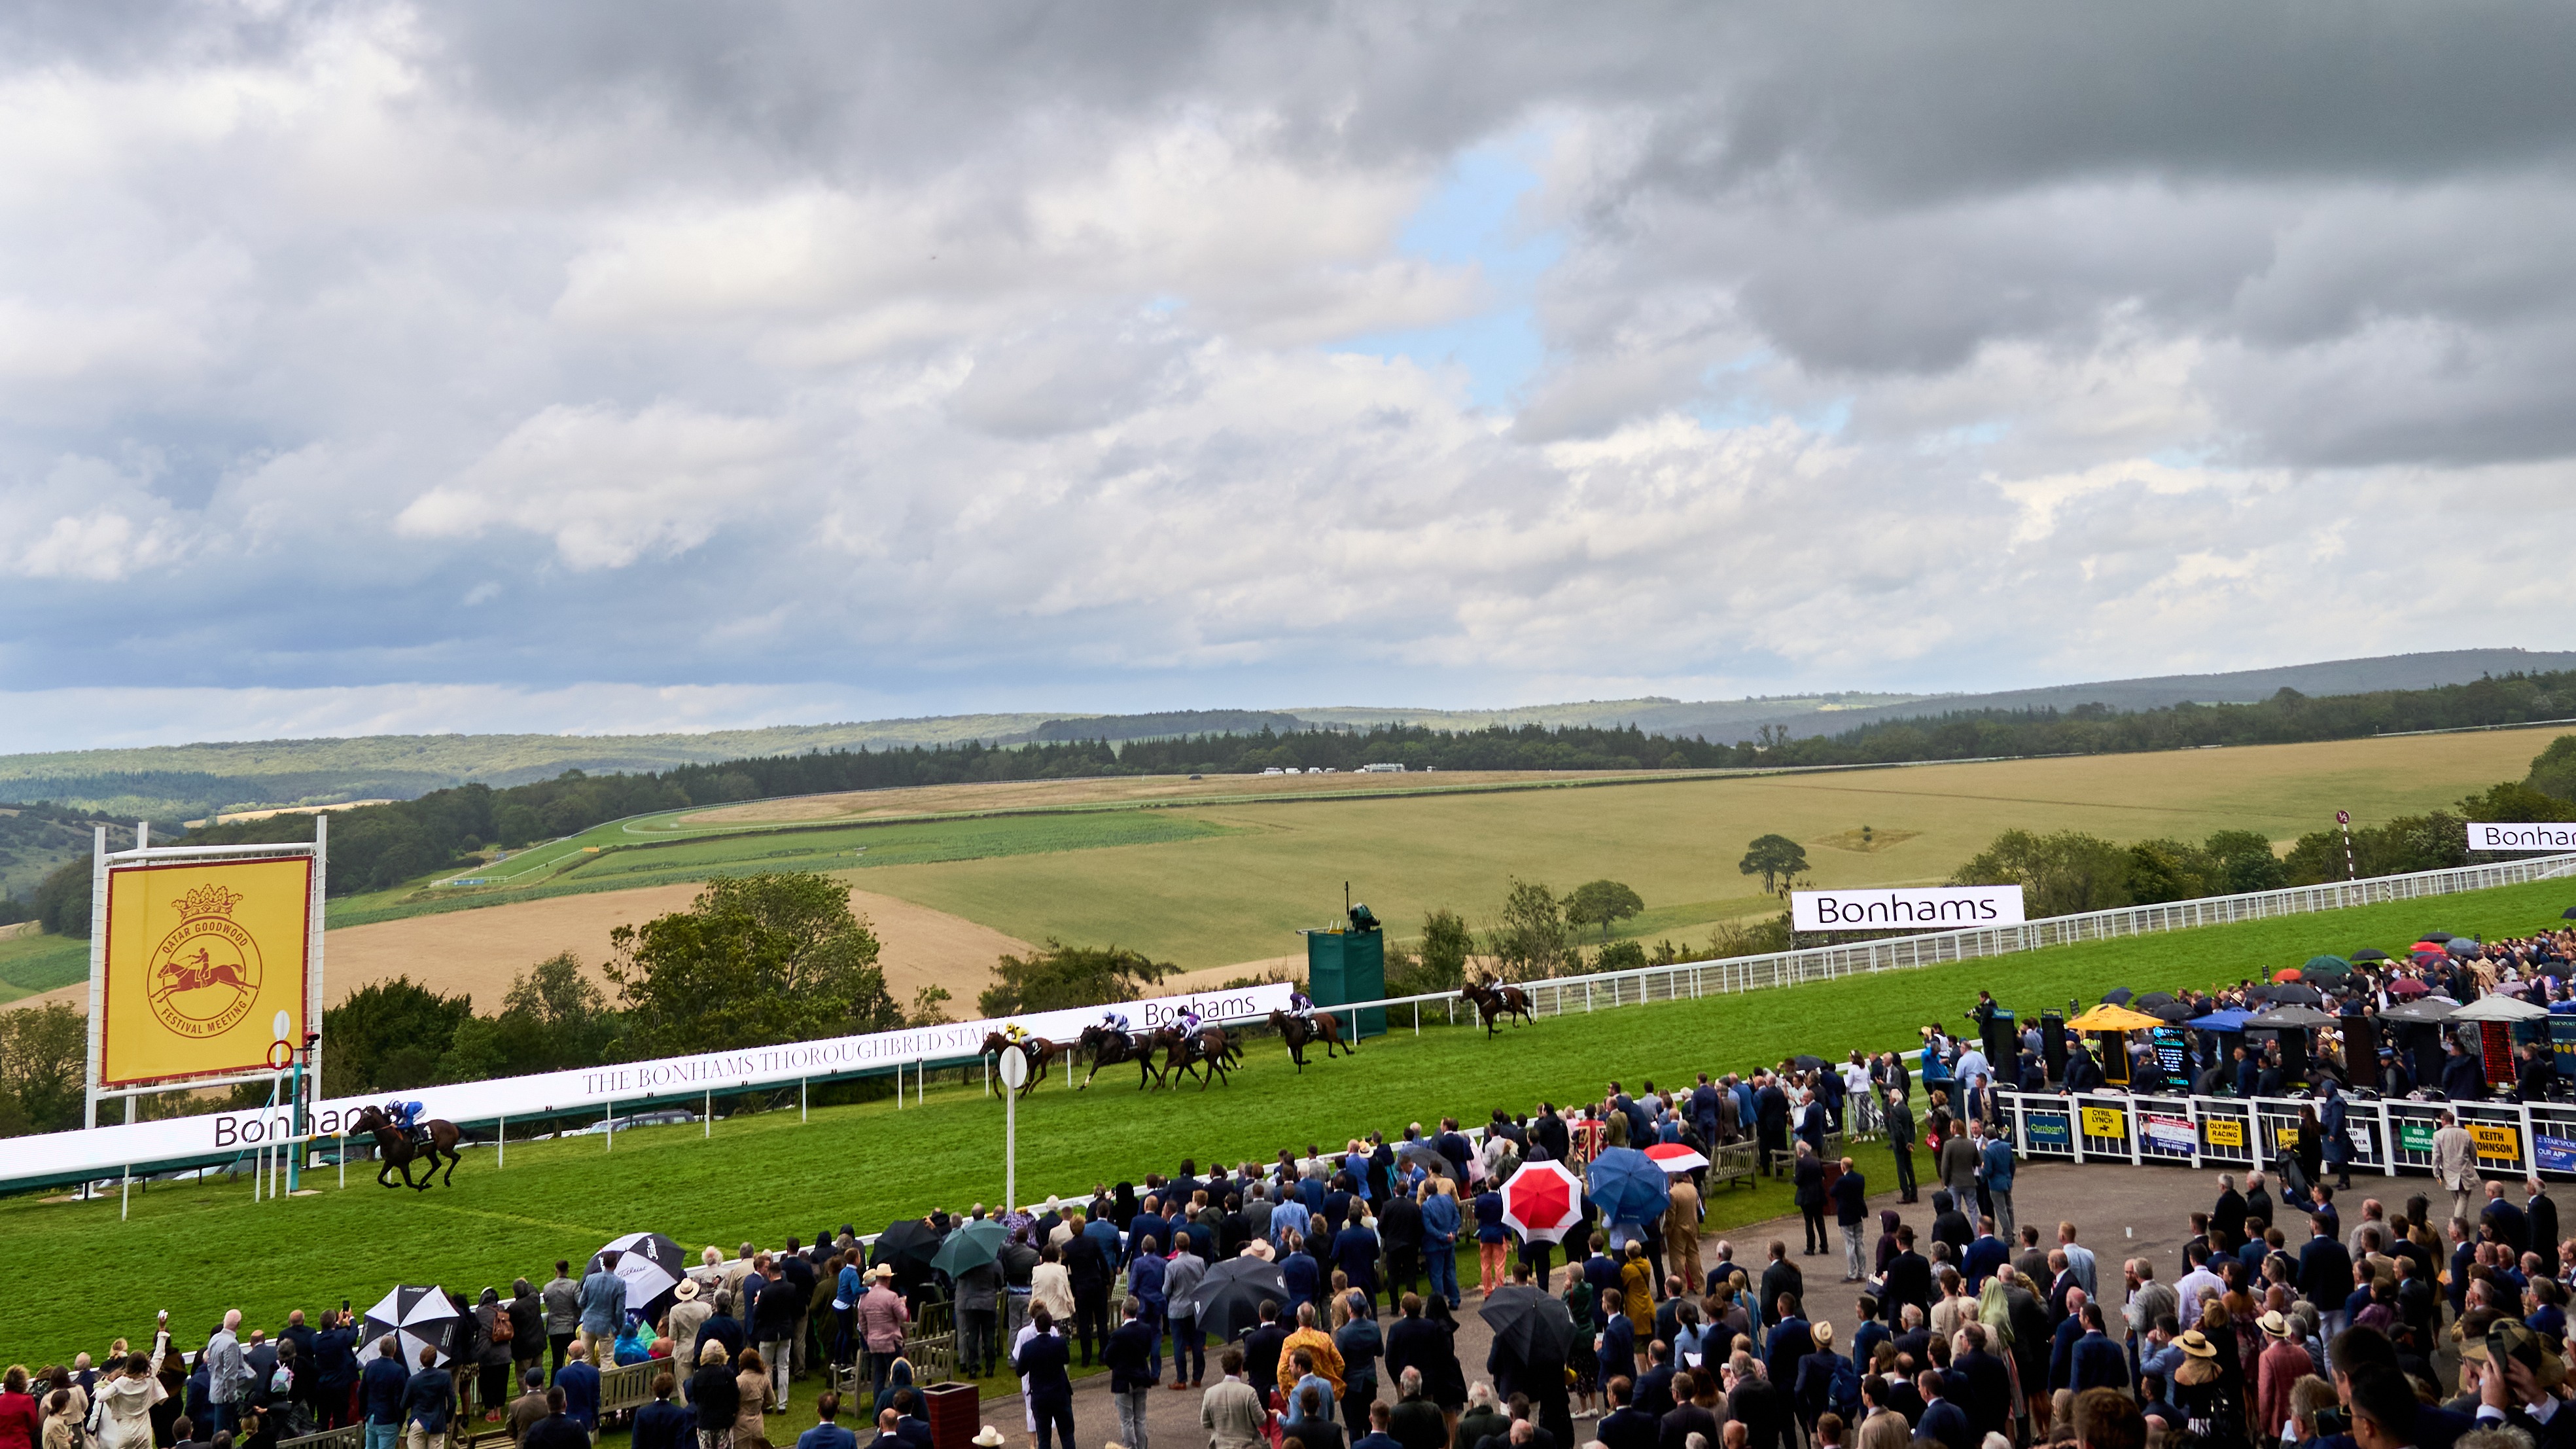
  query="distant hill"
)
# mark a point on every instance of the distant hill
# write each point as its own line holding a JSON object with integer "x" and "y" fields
{"x": 1731, "y": 721}
{"x": 183, "y": 782}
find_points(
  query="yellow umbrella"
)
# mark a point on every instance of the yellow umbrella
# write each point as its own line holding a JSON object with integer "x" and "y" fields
{"x": 2114, "y": 1018}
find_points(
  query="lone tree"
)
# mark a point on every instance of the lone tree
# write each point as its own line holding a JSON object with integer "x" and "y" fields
{"x": 1530, "y": 942}
{"x": 1775, "y": 858}
{"x": 757, "y": 960}
{"x": 1602, "y": 902}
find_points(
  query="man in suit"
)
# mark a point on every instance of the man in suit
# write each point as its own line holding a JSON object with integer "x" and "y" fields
{"x": 2336, "y": 1122}
{"x": 2511, "y": 1228}
{"x": 2462, "y": 1080}
{"x": 1958, "y": 1166}
{"x": 1945, "y": 1423}
{"x": 2542, "y": 1214}
{"x": 1809, "y": 1194}
{"x": 1782, "y": 1279}
{"x": 1771, "y": 1121}
{"x": 1900, "y": 1140}
{"x": 1790, "y": 1341}
{"x": 2227, "y": 1218}
{"x": 1909, "y": 1275}
{"x": 2455, "y": 1164}
{"x": 2325, "y": 1276}
{"x": 1704, "y": 1109}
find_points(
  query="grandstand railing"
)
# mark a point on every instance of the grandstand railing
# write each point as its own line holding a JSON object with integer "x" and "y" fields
{"x": 2395, "y": 1136}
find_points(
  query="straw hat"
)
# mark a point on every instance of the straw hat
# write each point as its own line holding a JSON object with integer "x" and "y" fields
{"x": 988, "y": 1437}
{"x": 882, "y": 1270}
{"x": 687, "y": 1291}
{"x": 1823, "y": 1333}
{"x": 2196, "y": 1344}
{"x": 2274, "y": 1324}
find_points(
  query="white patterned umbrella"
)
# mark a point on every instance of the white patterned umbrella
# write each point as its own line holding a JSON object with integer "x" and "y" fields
{"x": 652, "y": 1265}
{"x": 420, "y": 1318}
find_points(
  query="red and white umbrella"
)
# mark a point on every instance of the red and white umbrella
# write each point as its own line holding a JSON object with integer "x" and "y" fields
{"x": 1542, "y": 1200}
{"x": 1675, "y": 1158}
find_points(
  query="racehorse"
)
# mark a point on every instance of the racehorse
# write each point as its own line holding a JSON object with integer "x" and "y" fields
{"x": 1497, "y": 1001}
{"x": 1207, "y": 1054}
{"x": 1109, "y": 1048}
{"x": 1301, "y": 1031}
{"x": 1037, "y": 1049}
{"x": 399, "y": 1150}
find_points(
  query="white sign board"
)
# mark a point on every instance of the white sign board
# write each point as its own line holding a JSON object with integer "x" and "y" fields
{"x": 107, "y": 1151}
{"x": 2554, "y": 835}
{"x": 1906, "y": 908}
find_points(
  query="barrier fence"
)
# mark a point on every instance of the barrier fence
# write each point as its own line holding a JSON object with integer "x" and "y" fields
{"x": 2396, "y": 1136}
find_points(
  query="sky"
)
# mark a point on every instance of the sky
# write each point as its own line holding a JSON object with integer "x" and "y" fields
{"x": 641, "y": 366}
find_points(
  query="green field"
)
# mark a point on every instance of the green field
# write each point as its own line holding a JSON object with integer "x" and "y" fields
{"x": 31, "y": 964}
{"x": 1240, "y": 896}
{"x": 197, "y": 1250}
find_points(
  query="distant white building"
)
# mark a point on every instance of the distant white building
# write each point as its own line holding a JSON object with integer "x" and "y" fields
{"x": 1381, "y": 769}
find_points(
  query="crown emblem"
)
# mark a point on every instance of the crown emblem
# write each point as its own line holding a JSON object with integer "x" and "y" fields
{"x": 208, "y": 900}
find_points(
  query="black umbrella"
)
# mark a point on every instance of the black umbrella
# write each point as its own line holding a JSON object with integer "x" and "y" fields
{"x": 2568, "y": 914}
{"x": 2293, "y": 1017}
{"x": 906, "y": 1240}
{"x": 1228, "y": 1300}
{"x": 1532, "y": 1324}
{"x": 2286, "y": 991}
{"x": 2368, "y": 953}
{"x": 2153, "y": 999}
{"x": 2118, "y": 996}
{"x": 1809, "y": 1064}
{"x": 2173, "y": 1011}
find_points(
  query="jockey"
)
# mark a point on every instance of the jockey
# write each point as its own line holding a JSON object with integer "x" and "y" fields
{"x": 1300, "y": 1005}
{"x": 1115, "y": 1020}
{"x": 1188, "y": 1022}
{"x": 406, "y": 1117}
{"x": 1015, "y": 1033}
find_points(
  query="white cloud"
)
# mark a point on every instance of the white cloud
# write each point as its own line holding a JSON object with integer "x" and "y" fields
{"x": 345, "y": 343}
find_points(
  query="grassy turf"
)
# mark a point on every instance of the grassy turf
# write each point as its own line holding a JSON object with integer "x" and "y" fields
{"x": 198, "y": 1250}
{"x": 29, "y": 964}
{"x": 1240, "y": 896}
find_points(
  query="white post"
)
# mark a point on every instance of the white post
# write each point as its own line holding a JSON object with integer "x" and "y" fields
{"x": 803, "y": 1113}
{"x": 125, "y": 1184}
{"x": 609, "y": 1122}
{"x": 344, "y": 1161}
{"x": 97, "y": 966}
{"x": 501, "y": 1148}
{"x": 709, "y": 1120}
{"x": 1010, "y": 1148}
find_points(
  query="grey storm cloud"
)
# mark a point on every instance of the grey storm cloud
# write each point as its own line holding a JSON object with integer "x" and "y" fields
{"x": 956, "y": 355}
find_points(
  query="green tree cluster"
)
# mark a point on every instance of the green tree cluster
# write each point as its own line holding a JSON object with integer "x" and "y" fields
{"x": 1531, "y": 940}
{"x": 1776, "y": 858}
{"x": 755, "y": 960}
{"x": 44, "y": 1055}
{"x": 1602, "y": 903}
{"x": 1058, "y": 977}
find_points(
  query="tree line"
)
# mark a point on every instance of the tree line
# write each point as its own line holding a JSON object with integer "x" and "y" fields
{"x": 2069, "y": 872}
{"x": 376, "y": 847}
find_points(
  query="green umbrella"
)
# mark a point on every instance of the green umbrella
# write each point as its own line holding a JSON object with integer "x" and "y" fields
{"x": 2325, "y": 966}
{"x": 970, "y": 1246}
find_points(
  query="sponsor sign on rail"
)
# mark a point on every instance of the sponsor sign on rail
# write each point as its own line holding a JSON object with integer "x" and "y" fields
{"x": 1907, "y": 908}
{"x": 107, "y": 1150}
{"x": 2552, "y": 835}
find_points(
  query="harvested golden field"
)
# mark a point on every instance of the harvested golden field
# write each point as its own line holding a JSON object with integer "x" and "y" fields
{"x": 1113, "y": 790}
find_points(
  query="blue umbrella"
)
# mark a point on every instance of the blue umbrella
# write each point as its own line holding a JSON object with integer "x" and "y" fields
{"x": 1627, "y": 1186}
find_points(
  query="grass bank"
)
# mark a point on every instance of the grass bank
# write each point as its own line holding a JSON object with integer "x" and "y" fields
{"x": 197, "y": 1250}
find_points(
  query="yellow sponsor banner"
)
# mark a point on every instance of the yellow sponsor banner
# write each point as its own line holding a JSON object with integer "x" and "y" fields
{"x": 2224, "y": 1131}
{"x": 2105, "y": 1122}
{"x": 200, "y": 959}
{"x": 2495, "y": 1141}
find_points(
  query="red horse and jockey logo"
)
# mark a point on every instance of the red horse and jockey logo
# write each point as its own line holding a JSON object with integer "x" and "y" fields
{"x": 205, "y": 973}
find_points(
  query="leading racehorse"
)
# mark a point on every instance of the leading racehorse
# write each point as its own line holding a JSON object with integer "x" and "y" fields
{"x": 1302, "y": 1031}
{"x": 1037, "y": 1049}
{"x": 1497, "y": 1001}
{"x": 400, "y": 1151}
